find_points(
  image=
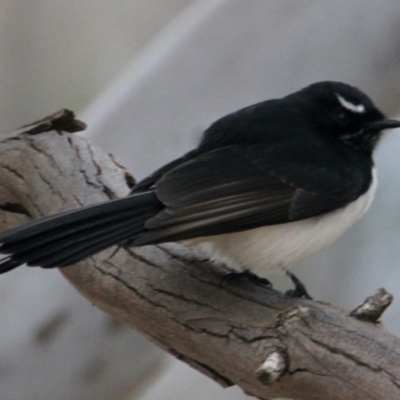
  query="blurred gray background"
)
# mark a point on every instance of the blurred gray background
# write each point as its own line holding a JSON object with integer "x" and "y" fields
{"x": 149, "y": 76}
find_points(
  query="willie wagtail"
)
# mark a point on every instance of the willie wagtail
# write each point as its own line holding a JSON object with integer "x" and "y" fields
{"x": 267, "y": 186}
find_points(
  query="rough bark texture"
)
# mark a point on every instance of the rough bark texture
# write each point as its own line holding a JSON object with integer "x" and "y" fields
{"x": 238, "y": 334}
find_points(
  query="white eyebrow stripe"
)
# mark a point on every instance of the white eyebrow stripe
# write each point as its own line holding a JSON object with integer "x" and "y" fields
{"x": 357, "y": 108}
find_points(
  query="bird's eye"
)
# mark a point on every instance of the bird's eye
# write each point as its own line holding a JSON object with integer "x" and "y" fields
{"x": 341, "y": 116}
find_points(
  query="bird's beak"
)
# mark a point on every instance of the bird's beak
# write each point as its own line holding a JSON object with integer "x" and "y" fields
{"x": 383, "y": 124}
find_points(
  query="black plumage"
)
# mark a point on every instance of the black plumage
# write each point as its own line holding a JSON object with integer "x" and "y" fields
{"x": 275, "y": 162}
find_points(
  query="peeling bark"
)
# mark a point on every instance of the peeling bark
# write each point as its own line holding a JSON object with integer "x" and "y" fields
{"x": 236, "y": 333}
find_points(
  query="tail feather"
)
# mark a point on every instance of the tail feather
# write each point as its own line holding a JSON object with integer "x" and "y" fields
{"x": 93, "y": 248}
{"x": 65, "y": 232}
{"x": 58, "y": 248}
{"x": 69, "y": 237}
{"x": 107, "y": 208}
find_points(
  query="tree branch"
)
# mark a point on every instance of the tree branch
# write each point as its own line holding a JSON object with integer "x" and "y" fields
{"x": 236, "y": 333}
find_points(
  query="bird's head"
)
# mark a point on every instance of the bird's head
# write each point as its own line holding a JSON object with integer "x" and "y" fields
{"x": 345, "y": 113}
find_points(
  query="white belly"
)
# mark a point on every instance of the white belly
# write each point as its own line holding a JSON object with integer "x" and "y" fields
{"x": 258, "y": 250}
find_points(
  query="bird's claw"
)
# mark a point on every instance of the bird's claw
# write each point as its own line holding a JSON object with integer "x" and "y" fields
{"x": 233, "y": 277}
{"x": 299, "y": 290}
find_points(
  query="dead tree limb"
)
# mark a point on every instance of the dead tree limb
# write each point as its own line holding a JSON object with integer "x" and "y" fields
{"x": 237, "y": 334}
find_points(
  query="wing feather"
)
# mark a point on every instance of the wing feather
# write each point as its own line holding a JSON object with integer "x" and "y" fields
{"x": 237, "y": 188}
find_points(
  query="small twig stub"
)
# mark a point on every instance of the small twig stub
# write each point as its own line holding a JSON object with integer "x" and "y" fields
{"x": 61, "y": 121}
{"x": 373, "y": 307}
{"x": 272, "y": 369}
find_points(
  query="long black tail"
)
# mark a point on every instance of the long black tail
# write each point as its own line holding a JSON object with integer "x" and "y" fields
{"x": 64, "y": 239}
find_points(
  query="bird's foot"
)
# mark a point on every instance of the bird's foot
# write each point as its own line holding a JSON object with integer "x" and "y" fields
{"x": 238, "y": 276}
{"x": 299, "y": 290}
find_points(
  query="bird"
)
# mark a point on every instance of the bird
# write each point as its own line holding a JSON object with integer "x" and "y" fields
{"x": 268, "y": 185}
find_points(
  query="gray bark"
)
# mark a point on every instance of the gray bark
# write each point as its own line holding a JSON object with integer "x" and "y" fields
{"x": 237, "y": 334}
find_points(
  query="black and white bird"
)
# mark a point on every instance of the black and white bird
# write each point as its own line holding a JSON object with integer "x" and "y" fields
{"x": 267, "y": 186}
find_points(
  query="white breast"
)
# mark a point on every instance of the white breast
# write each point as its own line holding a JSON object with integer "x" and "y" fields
{"x": 261, "y": 249}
